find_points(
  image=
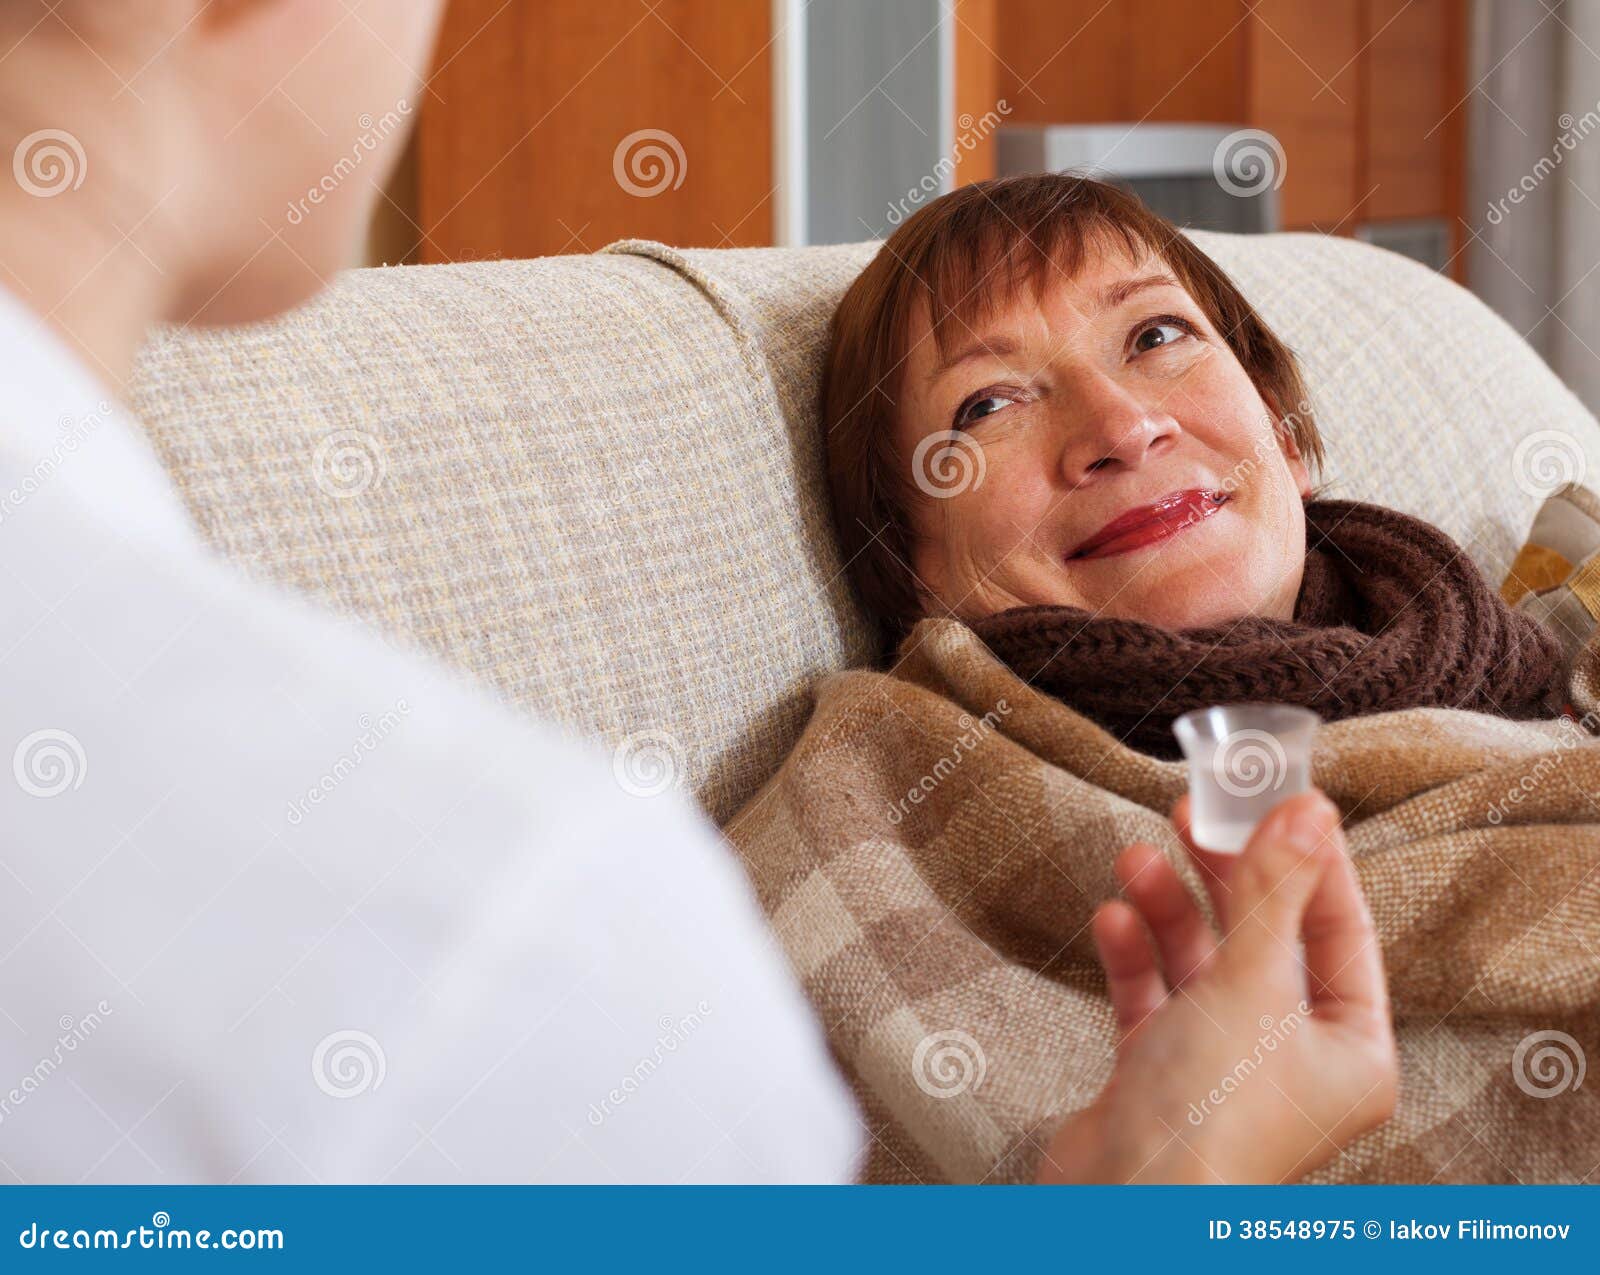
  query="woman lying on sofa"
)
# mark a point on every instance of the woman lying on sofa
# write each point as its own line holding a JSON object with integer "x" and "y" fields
{"x": 1071, "y": 471}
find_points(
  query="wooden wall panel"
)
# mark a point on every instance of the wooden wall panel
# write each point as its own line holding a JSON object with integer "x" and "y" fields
{"x": 1189, "y": 60}
{"x": 1085, "y": 61}
{"x": 977, "y": 87}
{"x": 1414, "y": 125}
{"x": 1305, "y": 88}
{"x": 1408, "y": 101}
{"x": 1059, "y": 61}
{"x": 520, "y": 128}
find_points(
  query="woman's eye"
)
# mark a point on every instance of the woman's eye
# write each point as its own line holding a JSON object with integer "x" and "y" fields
{"x": 978, "y": 408}
{"x": 1165, "y": 332}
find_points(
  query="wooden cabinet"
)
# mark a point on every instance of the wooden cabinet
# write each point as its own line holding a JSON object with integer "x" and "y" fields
{"x": 1367, "y": 96}
{"x": 562, "y": 125}
{"x": 1302, "y": 84}
{"x": 524, "y": 144}
{"x": 1085, "y": 61}
{"x": 1414, "y": 121}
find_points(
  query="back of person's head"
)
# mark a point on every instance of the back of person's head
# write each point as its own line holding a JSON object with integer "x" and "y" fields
{"x": 239, "y": 145}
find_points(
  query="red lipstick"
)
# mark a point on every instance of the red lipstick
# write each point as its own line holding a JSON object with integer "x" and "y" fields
{"x": 1146, "y": 524}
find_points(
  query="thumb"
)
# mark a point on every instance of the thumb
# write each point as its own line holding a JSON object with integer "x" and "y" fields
{"x": 1277, "y": 875}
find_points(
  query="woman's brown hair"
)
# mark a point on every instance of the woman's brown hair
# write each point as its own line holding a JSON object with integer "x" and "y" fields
{"x": 1016, "y": 229}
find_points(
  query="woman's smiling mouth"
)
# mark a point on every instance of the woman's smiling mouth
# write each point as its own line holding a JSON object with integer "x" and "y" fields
{"x": 1147, "y": 524}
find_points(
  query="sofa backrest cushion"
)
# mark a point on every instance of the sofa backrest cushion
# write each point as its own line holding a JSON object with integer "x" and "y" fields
{"x": 570, "y": 478}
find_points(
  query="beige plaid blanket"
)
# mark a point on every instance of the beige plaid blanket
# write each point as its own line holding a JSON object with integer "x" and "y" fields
{"x": 933, "y": 849}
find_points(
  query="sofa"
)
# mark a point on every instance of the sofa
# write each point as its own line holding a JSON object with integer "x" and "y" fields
{"x": 594, "y": 483}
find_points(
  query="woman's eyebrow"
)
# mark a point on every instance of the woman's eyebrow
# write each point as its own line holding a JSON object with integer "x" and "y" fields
{"x": 996, "y": 346}
{"x": 1000, "y": 346}
{"x": 1115, "y": 294}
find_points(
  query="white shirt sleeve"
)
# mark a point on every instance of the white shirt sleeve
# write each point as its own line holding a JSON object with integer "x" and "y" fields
{"x": 280, "y": 903}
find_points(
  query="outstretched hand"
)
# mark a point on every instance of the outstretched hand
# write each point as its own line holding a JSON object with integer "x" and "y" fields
{"x": 1237, "y": 1059}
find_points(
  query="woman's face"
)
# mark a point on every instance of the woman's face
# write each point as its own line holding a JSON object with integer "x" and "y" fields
{"x": 1109, "y": 452}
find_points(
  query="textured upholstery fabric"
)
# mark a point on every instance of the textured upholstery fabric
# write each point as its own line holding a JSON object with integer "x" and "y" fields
{"x": 568, "y": 477}
{"x": 595, "y": 483}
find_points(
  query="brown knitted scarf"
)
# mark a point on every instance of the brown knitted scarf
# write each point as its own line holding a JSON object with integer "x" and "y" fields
{"x": 1391, "y": 615}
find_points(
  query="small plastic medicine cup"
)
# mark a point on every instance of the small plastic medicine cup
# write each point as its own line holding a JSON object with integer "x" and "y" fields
{"x": 1244, "y": 759}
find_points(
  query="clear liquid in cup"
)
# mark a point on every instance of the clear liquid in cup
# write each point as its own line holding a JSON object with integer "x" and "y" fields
{"x": 1244, "y": 759}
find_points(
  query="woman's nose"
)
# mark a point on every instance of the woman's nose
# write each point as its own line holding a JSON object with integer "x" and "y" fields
{"x": 1109, "y": 428}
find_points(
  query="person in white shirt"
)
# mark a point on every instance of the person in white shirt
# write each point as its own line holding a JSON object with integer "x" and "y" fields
{"x": 474, "y": 959}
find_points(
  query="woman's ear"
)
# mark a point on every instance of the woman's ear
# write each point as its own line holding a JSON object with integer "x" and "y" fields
{"x": 1290, "y": 448}
{"x": 1296, "y": 463}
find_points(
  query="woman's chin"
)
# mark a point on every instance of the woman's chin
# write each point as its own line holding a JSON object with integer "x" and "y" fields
{"x": 1186, "y": 582}
{"x": 1165, "y": 613}
{"x": 1194, "y": 596}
